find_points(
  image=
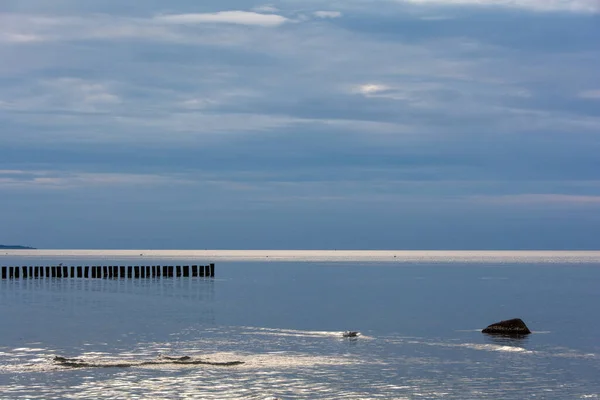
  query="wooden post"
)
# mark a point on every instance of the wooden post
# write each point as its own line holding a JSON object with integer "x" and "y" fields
{"x": 36, "y": 272}
{"x": 137, "y": 271}
{"x": 186, "y": 271}
{"x": 177, "y": 270}
{"x": 170, "y": 271}
{"x": 59, "y": 272}
{"x": 194, "y": 270}
{"x": 212, "y": 270}
{"x": 65, "y": 271}
{"x": 86, "y": 271}
{"x": 4, "y": 272}
{"x": 129, "y": 271}
{"x": 24, "y": 272}
{"x": 17, "y": 273}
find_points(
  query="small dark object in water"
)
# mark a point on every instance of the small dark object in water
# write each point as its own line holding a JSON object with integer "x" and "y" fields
{"x": 350, "y": 334}
{"x": 509, "y": 327}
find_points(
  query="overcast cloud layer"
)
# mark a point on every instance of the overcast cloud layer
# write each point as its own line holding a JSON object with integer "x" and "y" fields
{"x": 387, "y": 124}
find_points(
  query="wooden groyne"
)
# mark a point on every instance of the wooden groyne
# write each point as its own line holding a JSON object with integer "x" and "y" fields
{"x": 107, "y": 271}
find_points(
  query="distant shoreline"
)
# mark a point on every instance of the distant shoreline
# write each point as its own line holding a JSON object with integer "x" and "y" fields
{"x": 334, "y": 256}
{"x": 15, "y": 247}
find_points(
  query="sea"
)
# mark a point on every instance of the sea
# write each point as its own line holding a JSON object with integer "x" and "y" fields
{"x": 270, "y": 325}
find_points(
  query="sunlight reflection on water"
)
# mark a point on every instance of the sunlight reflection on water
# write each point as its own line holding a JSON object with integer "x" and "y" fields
{"x": 327, "y": 369}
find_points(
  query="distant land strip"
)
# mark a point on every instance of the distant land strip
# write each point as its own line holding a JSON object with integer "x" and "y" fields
{"x": 15, "y": 247}
{"x": 334, "y": 256}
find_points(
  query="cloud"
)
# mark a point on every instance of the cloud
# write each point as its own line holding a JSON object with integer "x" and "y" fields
{"x": 28, "y": 29}
{"x": 590, "y": 94}
{"x": 369, "y": 89}
{"x": 327, "y": 14}
{"x": 9, "y": 37}
{"x": 63, "y": 94}
{"x": 266, "y": 9}
{"x": 530, "y": 199}
{"x": 229, "y": 17}
{"x": 65, "y": 180}
{"x": 577, "y": 6}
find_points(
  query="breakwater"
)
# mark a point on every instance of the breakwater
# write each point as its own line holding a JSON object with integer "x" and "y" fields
{"x": 107, "y": 271}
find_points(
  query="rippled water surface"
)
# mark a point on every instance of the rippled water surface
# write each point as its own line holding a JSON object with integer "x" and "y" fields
{"x": 419, "y": 322}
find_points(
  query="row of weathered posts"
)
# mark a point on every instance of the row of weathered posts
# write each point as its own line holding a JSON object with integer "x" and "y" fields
{"x": 108, "y": 272}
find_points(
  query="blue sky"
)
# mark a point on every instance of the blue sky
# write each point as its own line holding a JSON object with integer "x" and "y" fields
{"x": 380, "y": 124}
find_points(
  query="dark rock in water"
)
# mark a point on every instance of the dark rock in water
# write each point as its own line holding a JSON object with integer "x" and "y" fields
{"x": 60, "y": 359}
{"x": 163, "y": 360}
{"x": 184, "y": 358}
{"x": 511, "y": 327}
{"x": 350, "y": 334}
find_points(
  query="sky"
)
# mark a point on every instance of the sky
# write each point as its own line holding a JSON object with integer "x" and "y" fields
{"x": 300, "y": 124}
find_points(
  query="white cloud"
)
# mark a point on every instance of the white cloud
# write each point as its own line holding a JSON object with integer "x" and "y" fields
{"x": 585, "y": 6}
{"x": 266, "y": 9}
{"x": 9, "y": 37}
{"x": 229, "y": 17}
{"x": 28, "y": 29}
{"x": 327, "y": 14}
{"x": 590, "y": 94}
{"x": 368, "y": 89}
{"x": 31, "y": 28}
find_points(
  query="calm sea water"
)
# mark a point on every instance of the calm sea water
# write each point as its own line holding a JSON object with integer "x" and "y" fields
{"x": 419, "y": 322}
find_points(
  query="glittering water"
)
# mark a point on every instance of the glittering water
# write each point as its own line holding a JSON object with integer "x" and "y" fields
{"x": 419, "y": 325}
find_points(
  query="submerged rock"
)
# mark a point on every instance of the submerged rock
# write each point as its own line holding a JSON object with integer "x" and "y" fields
{"x": 350, "y": 334}
{"x": 511, "y": 327}
{"x": 163, "y": 360}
